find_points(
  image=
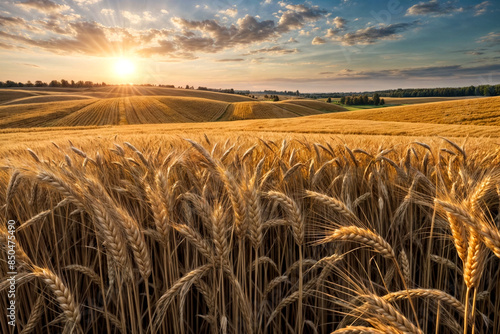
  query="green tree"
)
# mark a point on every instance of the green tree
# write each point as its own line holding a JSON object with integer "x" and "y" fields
{"x": 54, "y": 83}
{"x": 376, "y": 99}
{"x": 329, "y": 100}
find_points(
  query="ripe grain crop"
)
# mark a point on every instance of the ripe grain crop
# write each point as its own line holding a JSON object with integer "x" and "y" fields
{"x": 244, "y": 235}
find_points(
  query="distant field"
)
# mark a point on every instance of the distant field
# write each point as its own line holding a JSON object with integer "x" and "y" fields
{"x": 485, "y": 111}
{"x": 87, "y": 111}
{"x": 416, "y": 100}
{"x": 7, "y": 95}
{"x": 119, "y": 91}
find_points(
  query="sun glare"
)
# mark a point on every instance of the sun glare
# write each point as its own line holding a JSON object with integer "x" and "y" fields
{"x": 124, "y": 67}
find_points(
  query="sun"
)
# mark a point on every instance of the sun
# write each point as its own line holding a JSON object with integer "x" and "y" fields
{"x": 124, "y": 67}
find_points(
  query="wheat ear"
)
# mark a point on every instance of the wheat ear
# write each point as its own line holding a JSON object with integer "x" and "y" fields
{"x": 63, "y": 295}
{"x": 363, "y": 236}
{"x": 35, "y": 316}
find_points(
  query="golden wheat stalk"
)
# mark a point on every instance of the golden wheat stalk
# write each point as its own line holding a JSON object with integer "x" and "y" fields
{"x": 64, "y": 296}
{"x": 488, "y": 234}
{"x": 362, "y": 236}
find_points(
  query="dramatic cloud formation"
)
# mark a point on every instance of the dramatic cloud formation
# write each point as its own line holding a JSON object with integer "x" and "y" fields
{"x": 371, "y": 35}
{"x": 433, "y": 8}
{"x": 87, "y": 38}
{"x": 297, "y": 15}
{"x": 268, "y": 39}
{"x": 246, "y": 31}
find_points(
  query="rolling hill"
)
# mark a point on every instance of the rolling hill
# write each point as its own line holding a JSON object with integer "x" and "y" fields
{"x": 9, "y": 95}
{"x": 86, "y": 111}
{"x": 483, "y": 111}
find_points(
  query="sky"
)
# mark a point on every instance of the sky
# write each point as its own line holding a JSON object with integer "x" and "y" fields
{"x": 312, "y": 46}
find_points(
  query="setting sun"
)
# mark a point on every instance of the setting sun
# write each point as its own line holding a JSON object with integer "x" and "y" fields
{"x": 124, "y": 67}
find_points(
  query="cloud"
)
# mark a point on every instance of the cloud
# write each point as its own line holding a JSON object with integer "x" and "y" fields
{"x": 492, "y": 39}
{"x": 449, "y": 71}
{"x": 246, "y": 31}
{"x": 433, "y": 8}
{"x": 326, "y": 73}
{"x": 339, "y": 22}
{"x": 272, "y": 50}
{"x": 70, "y": 34}
{"x": 164, "y": 11}
{"x": 330, "y": 33}
{"x": 11, "y": 21}
{"x": 232, "y": 12}
{"x": 87, "y": 38}
{"x": 86, "y": 2}
{"x": 297, "y": 16}
{"x": 44, "y": 6}
{"x": 474, "y": 53}
{"x": 164, "y": 47}
{"x": 318, "y": 41}
{"x": 227, "y": 60}
{"x": 133, "y": 18}
{"x": 373, "y": 34}
{"x": 107, "y": 11}
{"x": 29, "y": 65}
{"x": 6, "y": 46}
{"x": 481, "y": 8}
{"x": 146, "y": 16}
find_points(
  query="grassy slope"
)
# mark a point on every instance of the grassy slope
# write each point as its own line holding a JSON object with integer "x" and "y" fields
{"x": 485, "y": 111}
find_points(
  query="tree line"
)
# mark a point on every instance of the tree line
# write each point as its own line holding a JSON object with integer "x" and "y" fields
{"x": 362, "y": 100}
{"x": 481, "y": 90}
{"x": 54, "y": 83}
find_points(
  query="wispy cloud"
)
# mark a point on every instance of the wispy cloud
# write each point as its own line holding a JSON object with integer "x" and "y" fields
{"x": 107, "y": 11}
{"x": 232, "y": 12}
{"x": 86, "y": 2}
{"x": 433, "y": 8}
{"x": 492, "y": 39}
{"x": 371, "y": 35}
{"x": 6, "y": 46}
{"x": 228, "y": 60}
{"x": 272, "y": 50}
{"x": 44, "y": 6}
{"x": 30, "y": 65}
{"x": 481, "y": 8}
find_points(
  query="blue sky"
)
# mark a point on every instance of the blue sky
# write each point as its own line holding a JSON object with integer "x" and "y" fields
{"x": 315, "y": 46}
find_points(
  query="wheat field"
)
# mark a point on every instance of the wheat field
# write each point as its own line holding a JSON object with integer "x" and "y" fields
{"x": 71, "y": 110}
{"x": 477, "y": 111}
{"x": 231, "y": 233}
